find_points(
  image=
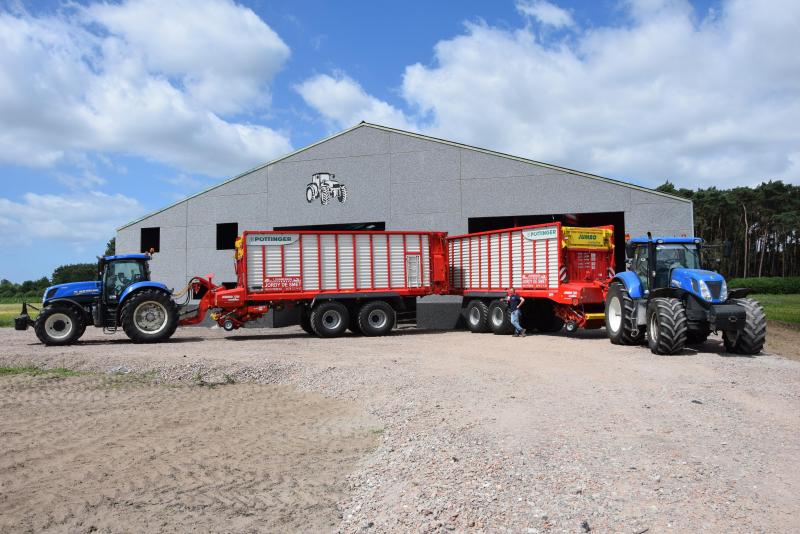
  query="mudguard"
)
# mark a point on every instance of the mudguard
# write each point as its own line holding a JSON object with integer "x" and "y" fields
{"x": 631, "y": 282}
{"x": 133, "y": 288}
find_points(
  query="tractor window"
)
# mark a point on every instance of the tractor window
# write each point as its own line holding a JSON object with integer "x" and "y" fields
{"x": 121, "y": 274}
{"x": 641, "y": 265}
{"x": 674, "y": 255}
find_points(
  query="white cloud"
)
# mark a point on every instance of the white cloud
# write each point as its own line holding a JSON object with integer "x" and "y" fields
{"x": 546, "y": 13}
{"x": 76, "y": 219}
{"x": 699, "y": 99}
{"x": 344, "y": 102}
{"x": 154, "y": 79}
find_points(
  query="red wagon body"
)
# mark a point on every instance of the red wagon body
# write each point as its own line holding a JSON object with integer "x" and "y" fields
{"x": 276, "y": 269}
{"x": 562, "y": 271}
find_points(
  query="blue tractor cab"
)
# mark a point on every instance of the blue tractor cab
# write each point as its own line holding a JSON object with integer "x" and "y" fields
{"x": 667, "y": 296}
{"x": 121, "y": 295}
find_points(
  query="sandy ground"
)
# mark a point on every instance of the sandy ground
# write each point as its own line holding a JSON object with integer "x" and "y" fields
{"x": 473, "y": 432}
{"x": 120, "y": 454}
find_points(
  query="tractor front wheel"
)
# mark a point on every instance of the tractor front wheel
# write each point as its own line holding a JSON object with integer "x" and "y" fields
{"x": 311, "y": 192}
{"x": 621, "y": 317}
{"x": 666, "y": 326}
{"x": 149, "y": 316}
{"x": 57, "y": 325}
{"x": 749, "y": 340}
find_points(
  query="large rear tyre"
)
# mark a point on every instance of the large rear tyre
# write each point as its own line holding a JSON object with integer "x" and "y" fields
{"x": 500, "y": 318}
{"x": 330, "y": 319}
{"x": 749, "y": 340}
{"x": 376, "y": 318}
{"x": 621, "y": 317}
{"x": 149, "y": 316}
{"x": 342, "y": 194}
{"x": 58, "y": 325}
{"x": 477, "y": 316}
{"x": 666, "y": 326}
{"x": 544, "y": 318}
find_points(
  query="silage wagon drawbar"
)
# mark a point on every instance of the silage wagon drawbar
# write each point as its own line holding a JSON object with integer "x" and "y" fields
{"x": 340, "y": 280}
{"x": 562, "y": 272}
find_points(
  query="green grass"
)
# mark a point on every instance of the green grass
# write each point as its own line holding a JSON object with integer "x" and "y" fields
{"x": 785, "y": 308}
{"x": 35, "y": 371}
{"x": 9, "y": 311}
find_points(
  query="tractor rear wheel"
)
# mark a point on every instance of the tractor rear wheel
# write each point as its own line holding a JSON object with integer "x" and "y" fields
{"x": 376, "y": 318}
{"x": 58, "y": 325}
{"x": 749, "y": 340}
{"x": 666, "y": 325}
{"x": 500, "y": 318}
{"x": 477, "y": 316}
{"x": 330, "y": 319}
{"x": 621, "y": 317}
{"x": 343, "y": 194}
{"x": 149, "y": 316}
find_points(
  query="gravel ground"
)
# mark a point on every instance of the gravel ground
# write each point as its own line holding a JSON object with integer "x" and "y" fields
{"x": 542, "y": 434}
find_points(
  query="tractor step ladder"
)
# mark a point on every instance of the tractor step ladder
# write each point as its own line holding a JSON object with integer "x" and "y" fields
{"x": 109, "y": 321}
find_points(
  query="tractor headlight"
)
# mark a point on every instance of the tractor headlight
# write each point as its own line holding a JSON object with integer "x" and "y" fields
{"x": 704, "y": 291}
{"x": 723, "y": 293}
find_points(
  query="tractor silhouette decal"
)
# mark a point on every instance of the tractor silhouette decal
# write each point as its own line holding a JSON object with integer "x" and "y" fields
{"x": 324, "y": 186}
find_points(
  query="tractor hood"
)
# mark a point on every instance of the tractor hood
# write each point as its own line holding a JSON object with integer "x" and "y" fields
{"x": 706, "y": 285}
{"x": 73, "y": 290}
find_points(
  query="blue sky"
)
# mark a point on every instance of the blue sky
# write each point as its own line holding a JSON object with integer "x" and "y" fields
{"x": 112, "y": 110}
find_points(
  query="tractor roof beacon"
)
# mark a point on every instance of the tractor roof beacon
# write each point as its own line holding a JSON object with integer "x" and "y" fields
{"x": 121, "y": 295}
{"x": 666, "y": 296}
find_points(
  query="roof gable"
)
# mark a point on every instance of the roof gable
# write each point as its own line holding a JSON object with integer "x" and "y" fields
{"x": 425, "y": 138}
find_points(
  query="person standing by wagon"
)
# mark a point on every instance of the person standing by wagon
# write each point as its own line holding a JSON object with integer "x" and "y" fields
{"x": 514, "y": 303}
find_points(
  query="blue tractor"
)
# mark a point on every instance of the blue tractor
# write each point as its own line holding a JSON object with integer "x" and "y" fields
{"x": 668, "y": 298}
{"x": 122, "y": 295}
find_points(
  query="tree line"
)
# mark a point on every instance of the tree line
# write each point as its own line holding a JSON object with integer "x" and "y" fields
{"x": 753, "y": 231}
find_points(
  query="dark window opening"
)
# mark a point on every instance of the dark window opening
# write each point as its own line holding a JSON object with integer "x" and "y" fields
{"x": 150, "y": 240}
{"x": 614, "y": 218}
{"x": 343, "y": 226}
{"x": 226, "y": 235}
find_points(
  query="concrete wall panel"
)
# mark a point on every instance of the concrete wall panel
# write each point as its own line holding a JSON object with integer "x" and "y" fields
{"x": 428, "y": 166}
{"x": 359, "y": 142}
